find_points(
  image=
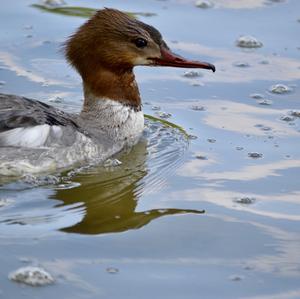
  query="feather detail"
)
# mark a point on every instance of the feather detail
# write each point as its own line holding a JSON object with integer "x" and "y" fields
{"x": 29, "y": 136}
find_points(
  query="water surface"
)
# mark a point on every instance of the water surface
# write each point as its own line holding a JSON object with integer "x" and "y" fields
{"x": 139, "y": 230}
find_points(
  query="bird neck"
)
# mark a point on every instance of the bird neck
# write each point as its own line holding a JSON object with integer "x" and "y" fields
{"x": 113, "y": 85}
{"x": 105, "y": 116}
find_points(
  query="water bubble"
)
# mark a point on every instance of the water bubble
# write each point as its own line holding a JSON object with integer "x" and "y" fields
{"x": 248, "y": 41}
{"x": 280, "y": 89}
{"x": 204, "y": 4}
{"x": 163, "y": 115}
{"x": 33, "y": 276}
{"x": 241, "y": 64}
{"x": 155, "y": 107}
{"x": 200, "y": 157}
{"x": 112, "y": 270}
{"x": 198, "y": 108}
{"x": 211, "y": 140}
{"x": 259, "y": 125}
{"x": 192, "y": 74}
{"x": 257, "y": 96}
{"x": 255, "y": 155}
{"x": 197, "y": 83}
{"x": 266, "y": 128}
{"x": 236, "y": 277}
{"x": 265, "y": 102}
{"x": 245, "y": 200}
{"x": 287, "y": 118}
{"x": 192, "y": 136}
{"x": 264, "y": 62}
{"x": 53, "y": 3}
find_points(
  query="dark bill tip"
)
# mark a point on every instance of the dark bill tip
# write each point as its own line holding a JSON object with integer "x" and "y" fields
{"x": 169, "y": 58}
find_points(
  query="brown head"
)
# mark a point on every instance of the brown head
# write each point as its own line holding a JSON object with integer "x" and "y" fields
{"x": 105, "y": 49}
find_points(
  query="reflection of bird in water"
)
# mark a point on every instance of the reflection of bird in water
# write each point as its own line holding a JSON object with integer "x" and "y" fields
{"x": 110, "y": 197}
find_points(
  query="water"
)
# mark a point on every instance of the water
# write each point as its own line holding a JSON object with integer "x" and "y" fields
{"x": 207, "y": 207}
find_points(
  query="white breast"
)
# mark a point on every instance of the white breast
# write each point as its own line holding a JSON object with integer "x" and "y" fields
{"x": 118, "y": 121}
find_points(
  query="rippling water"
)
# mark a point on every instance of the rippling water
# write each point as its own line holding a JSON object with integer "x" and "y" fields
{"x": 104, "y": 197}
{"x": 207, "y": 205}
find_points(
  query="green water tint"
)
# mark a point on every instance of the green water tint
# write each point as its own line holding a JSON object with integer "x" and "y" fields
{"x": 167, "y": 124}
{"x": 111, "y": 206}
{"x": 110, "y": 196}
{"x": 83, "y": 12}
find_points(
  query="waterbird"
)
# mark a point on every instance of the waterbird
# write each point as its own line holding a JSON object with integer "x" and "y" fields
{"x": 36, "y": 137}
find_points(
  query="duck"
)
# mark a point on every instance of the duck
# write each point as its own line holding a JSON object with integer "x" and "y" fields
{"x": 36, "y": 137}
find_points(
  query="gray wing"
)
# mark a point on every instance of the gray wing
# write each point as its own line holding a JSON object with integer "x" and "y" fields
{"x": 35, "y": 137}
{"x": 16, "y": 112}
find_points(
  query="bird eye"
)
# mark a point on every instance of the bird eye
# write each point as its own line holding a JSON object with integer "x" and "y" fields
{"x": 140, "y": 42}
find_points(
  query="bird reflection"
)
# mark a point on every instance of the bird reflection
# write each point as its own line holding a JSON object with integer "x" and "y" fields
{"x": 110, "y": 196}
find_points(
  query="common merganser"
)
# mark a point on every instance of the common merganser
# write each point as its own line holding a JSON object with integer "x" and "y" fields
{"x": 36, "y": 137}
